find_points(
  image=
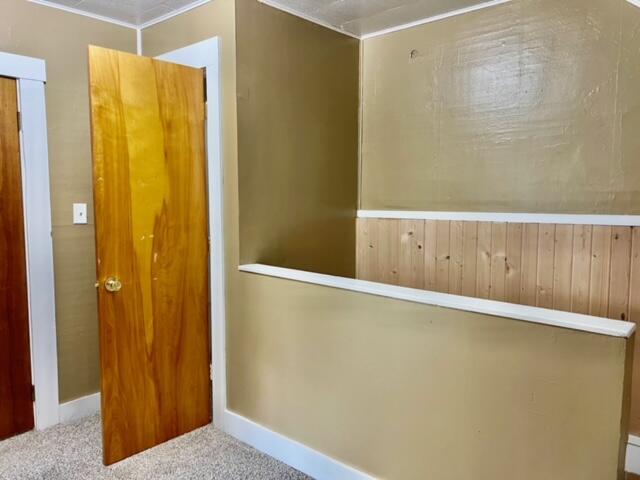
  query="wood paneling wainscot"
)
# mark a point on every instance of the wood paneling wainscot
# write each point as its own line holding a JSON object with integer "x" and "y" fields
{"x": 586, "y": 269}
{"x": 577, "y": 268}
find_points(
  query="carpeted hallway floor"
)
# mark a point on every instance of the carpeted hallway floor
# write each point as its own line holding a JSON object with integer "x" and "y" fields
{"x": 73, "y": 452}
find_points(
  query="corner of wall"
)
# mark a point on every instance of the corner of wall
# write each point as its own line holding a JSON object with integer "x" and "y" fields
{"x": 360, "y": 119}
{"x": 139, "y": 41}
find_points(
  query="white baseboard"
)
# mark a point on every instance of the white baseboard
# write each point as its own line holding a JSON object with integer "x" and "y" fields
{"x": 297, "y": 455}
{"x": 633, "y": 455}
{"x": 80, "y": 408}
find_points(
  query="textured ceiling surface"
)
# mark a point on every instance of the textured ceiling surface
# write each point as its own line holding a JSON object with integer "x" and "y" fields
{"x": 362, "y": 17}
{"x": 357, "y": 17}
{"x": 134, "y": 12}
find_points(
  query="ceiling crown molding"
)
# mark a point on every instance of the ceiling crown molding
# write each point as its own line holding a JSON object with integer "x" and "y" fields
{"x": 436, "y": 18}
{"x": 421, "y": 21}
{"x": 77, "y": 11}
{"x": 309, "y": 18}
{"x": 135, "y": 26}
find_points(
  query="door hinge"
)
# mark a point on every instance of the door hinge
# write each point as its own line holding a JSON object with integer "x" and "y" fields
{"x": 19, "y": 117}
{"x": 204, "y": 84}
{"x": 211, "y": 372}
{"x": 33, "y": 393}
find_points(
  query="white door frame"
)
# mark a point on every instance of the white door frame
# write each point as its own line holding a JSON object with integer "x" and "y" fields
{"x": 30, "y": 74}
{"x": 206, "y": 54}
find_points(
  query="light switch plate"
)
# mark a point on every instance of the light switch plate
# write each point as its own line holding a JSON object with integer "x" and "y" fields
{"x": 80, "y": 213}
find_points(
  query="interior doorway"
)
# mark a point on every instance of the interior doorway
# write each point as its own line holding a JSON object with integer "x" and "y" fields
{"x": 124, "y": 260}
{"x": 16, "y": 396}
{"x": 149, "y": 163}
{"x": 27, "y": 76}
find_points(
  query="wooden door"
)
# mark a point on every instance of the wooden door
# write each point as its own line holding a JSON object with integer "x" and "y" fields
{"x": 152, "y": 249}
{"x": 16, "y": 402}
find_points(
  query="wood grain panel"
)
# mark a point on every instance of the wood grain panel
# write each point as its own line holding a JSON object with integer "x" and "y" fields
{"x": 580, "y": 268}
{"x": 634, "y": 300}
{"x": 389, "y": 252}
{"x": 469, "y": 260}
{"x": 529, "y": 282}
{"x": 456, "y": 239}
{"x": 634, "y": 316}
{"x": 483, "y": 263}
{"x": 513, "y": 260}
{"x": 367, "y": 257}
{"x": 620, "y": 273}
{"x": 600, "y": 271}
{"x": 498, "y": 261}
{"x": 430, "y": 254}
{"x": 16, "y": 406}
{"x": 562, "y": 267}
{"x": 411, "y": 253}
{"x": 361, "y": 248}
{"x": 151, "y": 232}
{"x": 546, "y": 251}
{"x": 443, "y": 255}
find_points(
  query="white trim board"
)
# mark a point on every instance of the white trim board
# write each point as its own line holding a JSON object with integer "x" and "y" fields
{"x": 632, "y": 464}
{"x": 138, "y": 41}
{"x": 566, "y": 219}
{"x": 206, "y": 55}
{"x": 435, "y": 18}
{"x": 25, "y": 68}
{"x": 38, "y": 230}
{"x": 294, "y": 454}
{"x": 634, "y": 2}
{"x": 79, "y": 408}
{"x": 555, "y": 318}
{"x": 633, "y": 455}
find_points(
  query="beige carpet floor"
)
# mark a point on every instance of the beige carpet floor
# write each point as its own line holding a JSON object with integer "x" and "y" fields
{"x": 73, "y": 452}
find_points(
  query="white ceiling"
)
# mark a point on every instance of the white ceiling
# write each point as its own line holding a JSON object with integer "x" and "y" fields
{"x": 365, "y": 17}
{"x": 134, "y": 13}
{"x": 356, "y": 17}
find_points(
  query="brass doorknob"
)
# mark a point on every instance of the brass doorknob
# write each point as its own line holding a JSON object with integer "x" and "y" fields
{"x": 112, "y": 284}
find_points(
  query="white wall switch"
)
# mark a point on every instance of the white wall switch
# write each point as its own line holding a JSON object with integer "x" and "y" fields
{"x": 80, "y": 213}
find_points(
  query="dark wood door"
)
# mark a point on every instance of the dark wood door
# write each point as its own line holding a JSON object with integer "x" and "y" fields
{"x": 16, "y": 404}
{"x": 152, "y": 249}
